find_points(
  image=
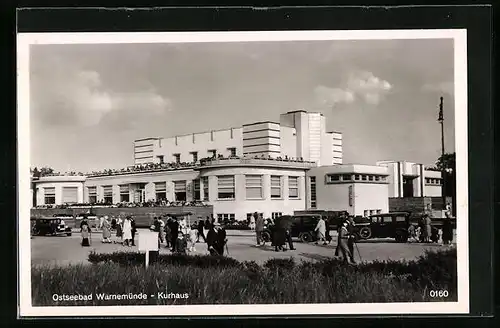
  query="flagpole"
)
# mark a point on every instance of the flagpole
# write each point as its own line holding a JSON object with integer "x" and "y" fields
{"x": 443, "y": 170}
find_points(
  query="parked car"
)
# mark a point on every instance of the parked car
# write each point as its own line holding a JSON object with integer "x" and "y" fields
{"x": 301, "y": 226}
{"x": 49, "y": 226}
{"x": 386, "y": 225}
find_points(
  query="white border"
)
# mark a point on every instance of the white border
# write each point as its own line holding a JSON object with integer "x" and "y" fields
{"x": 460, "y": 50}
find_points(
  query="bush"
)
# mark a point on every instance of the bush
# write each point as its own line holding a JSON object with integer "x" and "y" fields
{"x": 219, "y": 280}
{"x": 137, "y": 258}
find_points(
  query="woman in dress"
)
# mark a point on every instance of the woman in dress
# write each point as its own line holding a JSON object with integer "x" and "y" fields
{"x": 85, "y": 230}
{"x": 106, "y": 231}
{"x": 127, "y": 232}
{"x": 119, "y": 230}
{"x": 343, "y": 243}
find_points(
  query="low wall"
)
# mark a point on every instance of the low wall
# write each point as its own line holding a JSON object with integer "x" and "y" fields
{"x": 418, "y": 204}
{"x": 142, "y": 215}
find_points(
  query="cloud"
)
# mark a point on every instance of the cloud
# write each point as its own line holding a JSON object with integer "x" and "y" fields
{"x": 361, "y": 84}
{"x": 331, "y": 96}
{"x": 442, "y": 87}
{"x": 79, "y": 97}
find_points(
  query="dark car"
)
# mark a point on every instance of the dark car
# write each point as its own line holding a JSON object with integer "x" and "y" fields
{"x": 386, "y": 225}
{"x": 49, "y": 226}
{"x": 301, "y": 226}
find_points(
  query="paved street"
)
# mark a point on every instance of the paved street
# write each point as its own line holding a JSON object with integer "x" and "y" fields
{"x": 241, "y": 244}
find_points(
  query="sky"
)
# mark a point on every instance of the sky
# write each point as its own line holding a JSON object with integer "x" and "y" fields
{"x": 89, "y": 102}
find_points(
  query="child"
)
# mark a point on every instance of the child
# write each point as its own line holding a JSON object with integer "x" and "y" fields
{"x": 181, "y": 244}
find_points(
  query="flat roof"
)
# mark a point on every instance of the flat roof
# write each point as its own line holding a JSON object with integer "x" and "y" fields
{"x": 262, "y": 122}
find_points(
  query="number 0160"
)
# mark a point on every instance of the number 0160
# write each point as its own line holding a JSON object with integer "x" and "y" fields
{"x": 438, "y": 293}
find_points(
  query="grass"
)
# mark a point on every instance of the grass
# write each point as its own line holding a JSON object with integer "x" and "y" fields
{"x": 209, "y": 280}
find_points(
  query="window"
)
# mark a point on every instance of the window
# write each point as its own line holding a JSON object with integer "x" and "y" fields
{"x": 364, "y": 177}
{"x": 333, "y": 178}
{"x": 276, "y": 215}
{"x": 312, "y": 181}
{"x": 92, "y": 194}
{"x": 69, "y": 195}
{"x": 377, "y": 178}
{"x": 180, "y": 191}
{"x": 212, "y": 153}
{"x": 197, "y": 191}
{"x": 124, "y": 193}
{"x": 379, "y": 211}
{"x": 293, "y": 187}
{"x": 346, "y": 177}
{"x": 177, "y": 158}
{"x": 275, "y": 187}
{"x": 232, "y": 152}
{"x": 205, "y": 188}
{"x": 161, "y": 159}
{"x": 253, "y": 185}
{"x": 161, "y": 191}
{"x": 225, "y": 187}
{"x": 49, "y": 195}
{"x": 195, "y": 156}
{"x": 387, "y": 219}
{"x": 356, "y": 177}
{"x": 225, "y": 217}
{"x": 365, "y": 213}
{"x": 108, "y": 194}
{"x": 370, "y": 177}
{"x": 400, "y": 219}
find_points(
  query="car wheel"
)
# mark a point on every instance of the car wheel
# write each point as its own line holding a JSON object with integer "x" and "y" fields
{"x": 365, "y": 233}
{"x": 266, "y": 237}
{"x": 68, "y": 234}
{"x": 306, "y": 237}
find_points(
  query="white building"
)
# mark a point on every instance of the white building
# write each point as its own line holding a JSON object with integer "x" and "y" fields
{"x": 266, "y": 167}
{"x": 298, "y": 135}
{"x": 408, "y": 179}
{"x": 357, "y": 189}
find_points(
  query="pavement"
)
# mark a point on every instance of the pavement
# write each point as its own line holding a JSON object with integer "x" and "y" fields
{"x": 64, "y": 250}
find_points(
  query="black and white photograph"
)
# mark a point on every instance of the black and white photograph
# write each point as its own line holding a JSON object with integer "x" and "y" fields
{"x": 228, "y": 173}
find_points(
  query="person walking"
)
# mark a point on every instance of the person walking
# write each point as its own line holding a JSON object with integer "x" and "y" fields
{"x": 320, "y": 231}
{"x": 351, "y": 240}
{"x": 134, "y": 229}
{"x": 216, "y": 239}
{"x": 106, "y": 231}
{"x": 253, "y": 221}
{"x": 85, "y": 231}
{"x": 174, "y": 231}
{"x": 161, "y": 230}
{"x": 127, "y": 232}
{"x": 119, "y": 230}
{"x": 279, "y": 238}
{"x": 447, "y": 231}
{"x": 201, "y": 233}
{"x": 259, "y": 227}
{"x": 343, "y": 243}
{"x": 168, "y": 232}
{"x": 428, "y": 228}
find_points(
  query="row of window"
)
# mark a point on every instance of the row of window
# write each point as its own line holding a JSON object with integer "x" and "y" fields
{"x": 371, "y": 212}
{"x": 332, "y": 178}
{"x": 433, "y": 181}
{"x": 231, "y": 216}
{"x": 225, "y": 189}
{"x": 194, "y": 155}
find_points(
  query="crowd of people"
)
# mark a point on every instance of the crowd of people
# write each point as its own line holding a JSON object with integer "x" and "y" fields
{"x": 148, "y": 167}
{"x": 150, "y": 203}
{"x": 174, "y": 233}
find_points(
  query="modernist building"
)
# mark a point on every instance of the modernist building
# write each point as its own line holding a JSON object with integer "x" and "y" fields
{"x": 262, "y": 167}
{"x": 408, "y": 179}
{"x": 299, "y": 134}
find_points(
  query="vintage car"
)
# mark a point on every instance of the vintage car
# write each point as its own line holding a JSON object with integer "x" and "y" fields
{"x": 386, "y": 225}
{"x": 49, "y": 226}
{"x": 301, "y": 226}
